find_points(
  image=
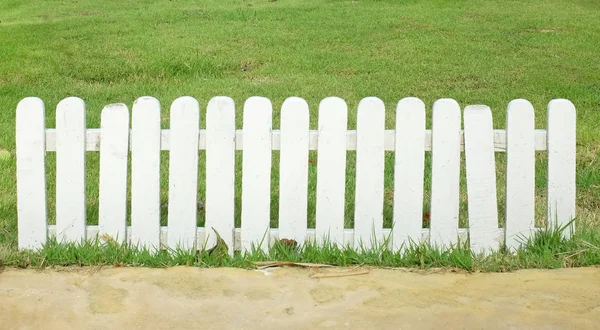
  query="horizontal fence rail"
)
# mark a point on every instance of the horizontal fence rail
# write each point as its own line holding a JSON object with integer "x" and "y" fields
{"x": 93, "y": 136}
{"x": 138, "y": 136}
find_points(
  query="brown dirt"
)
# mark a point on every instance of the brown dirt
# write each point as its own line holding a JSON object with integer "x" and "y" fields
{"x": 288, "y": 298}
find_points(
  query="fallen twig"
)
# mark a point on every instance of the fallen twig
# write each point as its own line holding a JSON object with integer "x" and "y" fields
{"x": 330, "y": 275}
{"x": 588, "y": 244}
{"x": 269, "y": 264}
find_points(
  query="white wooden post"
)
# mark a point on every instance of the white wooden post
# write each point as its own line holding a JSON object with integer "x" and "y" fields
{"x": 445, "y": 173}
{"x": 256, "y": 173}
{"x": 145, "y": 173}
{"x": 31, "y": 174}
{"x": 409, "y": 157}
{"x": 520, "y": 173}
{"x": 481, "y": 179}
{"x": 561, "y": 164}
{"x": 331, "y": 170}
{"x": 293, "y": 179}
{"x": 220, "y": 170}
{"x": 183, "y": 174}
{"x": 70, "y": 171}
{"x": 114, "y": 150}
{"x": 368, "y": 212}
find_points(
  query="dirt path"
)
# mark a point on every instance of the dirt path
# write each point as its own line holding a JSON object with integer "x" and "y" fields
{"x": 191, "y": 298}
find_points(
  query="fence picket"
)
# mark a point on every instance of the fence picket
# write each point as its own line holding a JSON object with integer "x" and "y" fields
{"x": 520, "y": 173}
{"x": 114, "y": 149}
{"x": 31, "y": 174}
{"x": 331, "y": 170}
{"x": 293, "y": 179}
{"x": 408, "y": 172}
{"x": 368, "y": 211}
{"x": 445, "y": 172}
{"x": 561, "y": 164}
{"x": 256, "y": 169}
{"x": 145, "y": 173}
{"x": 220, "y": 170}
{"x": 70, "y": 170}
{"x": 481, "y": 178}
{"x": 183, "y": 173}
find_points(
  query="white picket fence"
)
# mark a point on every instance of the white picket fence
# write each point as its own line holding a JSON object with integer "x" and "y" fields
{"x": 410, "y": 140}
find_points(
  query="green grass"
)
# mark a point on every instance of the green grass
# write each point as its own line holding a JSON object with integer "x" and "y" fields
{"x": 475, "y": 51}
{"x": 547, "y": 249}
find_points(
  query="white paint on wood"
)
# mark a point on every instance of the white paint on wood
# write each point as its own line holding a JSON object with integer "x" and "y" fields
{"x": 93, "y": 140}
{"x": 256, "y": 169}
{"x": 114, "y": 148}
{"x": 31, "y": 174}
{"x": 331, "y": 170}
{"x": 561, "y": 165}
{"x": 481, "y": 179}
{"x": 293, "y": 178}
{"x": 445, "y": 172}
{"x": 70, "y": 170}
{"x": 183, "y": 173}
{"x": 520, "y": 173}
{"x": 145, "y": 173}
{"x": 368, "y": 211}
{"x": 220, "y": 170}
{"x": 409, "y": 162}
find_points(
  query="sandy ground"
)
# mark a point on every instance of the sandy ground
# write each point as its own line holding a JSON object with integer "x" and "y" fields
{"x": 290, "y": 298}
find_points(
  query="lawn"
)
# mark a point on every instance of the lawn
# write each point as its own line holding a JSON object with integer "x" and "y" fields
{"x": 476, "y": 52}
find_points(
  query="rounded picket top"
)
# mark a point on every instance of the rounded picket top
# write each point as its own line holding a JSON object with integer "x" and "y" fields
{"x": 411, "y": 109}
{"x": 185, "y": 102}
{"x": 147, "y": 110}
{"x": 257, "y": 102}
{"x": 371, "y": 102}
{"x": 114, "y": 113}
{"x": 71, "y": 102}
{"x": 561, "y": 112}
{"x": 332, "y": 99}
{"x": 30, "y": 110}
{"x": 520, "y": 104}
{"x": 477, "y": 109}
{"x": 447, "y": 104}
{"x": 295, "y": 107}
{"x": 73, "y": 107}
{"x": 222, "y": 103}
{"x": 295, "y": 102}
{"x": 410, "y": 102}
{"x": 258, "y": 110}
{"x": 333, "y": 102}
{"x": 563, "y": 104}
{"x": 146, "y": 101}
{"x": 30, "y": 102}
